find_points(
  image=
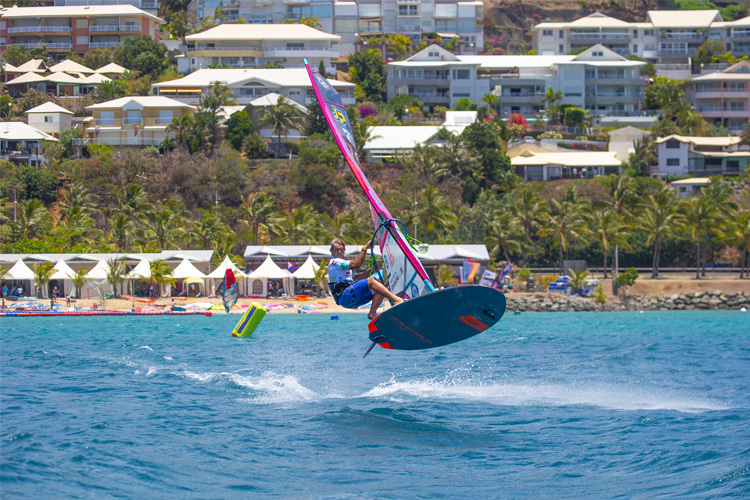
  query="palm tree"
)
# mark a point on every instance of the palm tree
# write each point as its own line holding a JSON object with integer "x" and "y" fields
{"x": 116, "y": 272}
{"x": 552, "y": 96}
{"x": 166, "y": 224}
{"x": 353, "y": 226}
{"x": 719, "y": 194}
{"x": 433, "y": 213}
{"x": 490, "y": 99}
{"x": 444, "y": 276}
{"x": 740, "y": 234}
{"x": 161, "y": 274}
{"x": 282, "y": 116}
{"x": 79, "y": 279}
{"x": 530, "y": 210}
{"x": 578, "y": 280}
{"x": 700, "y": 215}
{"x": 312, "y": 22}
{"x": 206, "y": 230}
{"x": 302, "y": 225}
{"x": 133, "y": 201}
{"x": 182, "y": 127}
{"x": 423, "y": 161}
{"x": 42, "y": 275}
{"x": 660, "y": 218}
{"x": 611, "y": 230}
{"x": 321, "y": 278}
{"x": 259, "y": 212}
{"x": 641, "y": 158}
{"x": 121, "y": 231}
{"x": 567, "y": 221}
{"x": 33, "y": 221}
{"x": 216, "y": 96}
{"x": 506, "y": 232}
{"x": 623, "y": 195}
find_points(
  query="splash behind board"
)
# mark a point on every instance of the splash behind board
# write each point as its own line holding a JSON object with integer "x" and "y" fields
{"x": 438, "y": 318}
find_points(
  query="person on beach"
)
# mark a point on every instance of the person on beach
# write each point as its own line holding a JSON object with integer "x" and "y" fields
{"x": 345, "y": 290}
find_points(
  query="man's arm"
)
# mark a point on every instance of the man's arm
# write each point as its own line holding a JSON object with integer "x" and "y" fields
{"x": 357, "y": 262}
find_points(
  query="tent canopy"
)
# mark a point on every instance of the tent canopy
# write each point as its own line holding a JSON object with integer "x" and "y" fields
{"x": 268, "y": 270}
{"x": 219, "y": 272}
{"x": 307, "y": 270}
{"x": 100, "y": 271}
{"x": 62, "y": 271}
{"x": 187, "y": 270}
{"x": 20, "y": 271}
{"x": 142, "y": 271}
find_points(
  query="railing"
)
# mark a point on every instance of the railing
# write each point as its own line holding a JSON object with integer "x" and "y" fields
{"x": 42, "y": 29}
{"x": 114, "y": 27}
{"x": 672, "y": 67}
{"x": 682, "y": 36}
{"x": 614, "y": 94}
{"x": 118, "y": 122}
{"x": 131, "y": 140}
{"x": 100, "y": 45}
{"x": 46, "y": 45}
{"x": 507, "y": 93}
{"x": 194, "y": 49}
{"x": 133, "y": 121}
{"x": 673, "y": 52}
{"x": 600, "y": 36}
{"x": 740, "y": 34}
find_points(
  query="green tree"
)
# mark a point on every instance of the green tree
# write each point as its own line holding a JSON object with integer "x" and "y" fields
{"x": 166, "y": 224}
{"x": 663, "y": 93}
{"x": 444, "y": 276}
{"x": 110, "y": 90}
{"x": 239, "y": 126}
{"x": 659, "y": 218}
{"x": 42, "y": 275}
{"x": 505, "y": 234}
{"x": 115, "y": 273}
{"x": 367, "y": 70}
{"x": 574, "y": 116}
{"x": 552, "y": 97}
{"x": 708, "y": 50}
{"x": 282, "y": 116}
{"x": 142, "y": 53}
{"x": 611, "y": 230}
{"x": 79, "y": 279}
{"x": 400, "y": 103}
{"x": 161, "y": 274}
{"x": 466, "y": 104}
{"x": 32, "y": 221}
{"x": 739, "y": 234}
{"x": 301, "y": 226}
{"x": 259, "y": 212}
{"x": 433, "y": 214}
{"x": 700, "y": 215}
{"x": 567, "y": 221}
{"x": 529, "y": 208}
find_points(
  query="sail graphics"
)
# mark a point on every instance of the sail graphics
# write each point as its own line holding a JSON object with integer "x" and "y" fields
{"x": 228, "y": 290}
{"x": 404, "y": 274}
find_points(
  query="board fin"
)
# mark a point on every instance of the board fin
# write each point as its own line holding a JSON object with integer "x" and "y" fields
{"x": 374, "y": 342}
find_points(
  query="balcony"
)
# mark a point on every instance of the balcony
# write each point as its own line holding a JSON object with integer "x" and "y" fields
{"x": 736, "y": 34}
{"x": 611, "y": 37}
{"x": 94, "y": 28}
{"x": 301, "y": 52}
{"x": 101, "y": 45}
{"x": 48, "y": 46}
{"x": 40, "y": 29}
{"x": 691, "y": 37}
{"x": 133, "y": 120}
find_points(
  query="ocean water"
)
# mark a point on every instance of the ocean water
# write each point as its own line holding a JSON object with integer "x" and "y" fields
{"x": 557, "y": 405}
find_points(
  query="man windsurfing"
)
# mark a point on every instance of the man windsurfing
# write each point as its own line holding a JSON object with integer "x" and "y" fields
{"x": 352, "y": 294}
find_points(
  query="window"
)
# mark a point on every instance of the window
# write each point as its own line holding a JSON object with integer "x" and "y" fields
{"x": 648, "y": 32}
{"x": 673, "y": 162}
{"x": 322, "y": 11}
{"x": 547, "y": 33}
{"x": 49, "y": 119}
{"x": 346, "y": 26}
{"x": 635, "y": 32}
{"x": 461, "y": 74}
{"x": 408, "y": 10}
{"x": 562, "y": 34}
{"x": 165, "y": 116}
{"x": 561, "y": 49}
{"x": 82, "y": 23}
{"x": 82, "y": 40}
{"x": 673, "y": 144}
{"x": 106, "y": 118}
{"x": 635, "y": 49}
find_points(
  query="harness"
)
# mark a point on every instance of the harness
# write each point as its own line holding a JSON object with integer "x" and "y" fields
{"x": 337, "y": 289}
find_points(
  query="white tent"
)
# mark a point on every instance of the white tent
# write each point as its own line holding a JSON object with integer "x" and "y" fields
{"x": 268, "y": 270}
{"x": 63, "y": 272}
{"x": 97, "y": 280}
{"x": 189, "y": 273}
{"x": 307, "y": 270}
{"x": 21, "y": 272}
{"x": 142, "y": 271}
{"x": 219, "y": 272}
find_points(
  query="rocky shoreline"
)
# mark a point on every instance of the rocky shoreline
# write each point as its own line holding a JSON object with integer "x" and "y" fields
{"x": 552, "y": 302}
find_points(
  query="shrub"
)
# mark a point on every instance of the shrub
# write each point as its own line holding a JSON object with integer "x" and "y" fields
{"x": 599, "y": 296}
{"x": 626, "y": 280}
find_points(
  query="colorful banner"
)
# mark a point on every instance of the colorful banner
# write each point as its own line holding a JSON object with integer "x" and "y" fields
{"x": 488, "y": 278}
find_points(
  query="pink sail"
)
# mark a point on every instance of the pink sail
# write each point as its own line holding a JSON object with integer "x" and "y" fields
{"x": 405, "y": 275}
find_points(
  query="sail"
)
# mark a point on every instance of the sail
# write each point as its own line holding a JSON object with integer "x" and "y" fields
{"x": 404, "y": 274}
{"x": 228, "y": 290}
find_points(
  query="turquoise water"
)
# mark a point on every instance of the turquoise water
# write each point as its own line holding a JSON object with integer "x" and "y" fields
{"x": 563, "y": 405}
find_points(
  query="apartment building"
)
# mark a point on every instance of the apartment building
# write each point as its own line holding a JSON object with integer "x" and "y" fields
{"x": 723, "y": 98}
{"x": 701, "y": 156}
{"x": 666, "y": 37}
{"x": 150, "y": 6}
{"x": 62, "y": 29}
{"x": 255, "y": 45}
{"x": 247, "y": 85}
{"x": 413, "y": 18}
{"x": 598, "y": 79}
{"x": 132, "y": 121}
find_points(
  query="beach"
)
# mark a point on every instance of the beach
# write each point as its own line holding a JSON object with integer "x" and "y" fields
{"x": 645, "y": 287}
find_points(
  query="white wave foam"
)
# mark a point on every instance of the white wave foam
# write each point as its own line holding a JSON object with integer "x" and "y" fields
{"x": 273, "y": 388}
{"x": 611, "y": 396}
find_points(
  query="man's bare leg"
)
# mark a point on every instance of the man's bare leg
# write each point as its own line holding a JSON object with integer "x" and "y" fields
{"x": 379, "y": 288}
{"x": 377, "y": 299}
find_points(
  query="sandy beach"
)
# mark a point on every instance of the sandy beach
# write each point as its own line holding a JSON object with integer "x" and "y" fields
{"x": 644, "y": 286}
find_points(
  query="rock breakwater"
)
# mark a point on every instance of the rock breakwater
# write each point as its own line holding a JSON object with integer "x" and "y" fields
{"x": 552, "y": 302}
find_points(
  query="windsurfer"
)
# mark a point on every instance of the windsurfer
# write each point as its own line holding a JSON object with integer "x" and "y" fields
{"x": 352, "y": 294}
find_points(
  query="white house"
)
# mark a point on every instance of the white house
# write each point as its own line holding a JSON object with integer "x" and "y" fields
{"x": 598, "y": 79}
{"x": 414, "y": 19}
{"x": 622, "y": 141}
{"x": 20, "y": 143}
{"x": 702, "y": 156}
{"x": 723, "y": 97}
{"x": 255, "y": 45}
{"x": 50, "y": 118}
{"x": 690, "y": 187}
{"x": 667, "y": 36}
{"x": 536, "y": 166}
{"x": 248, "y": 85}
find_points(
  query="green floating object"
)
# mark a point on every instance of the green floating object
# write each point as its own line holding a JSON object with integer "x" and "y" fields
{"x": 250, "y": 320}
{"x": 516, "y": 312}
